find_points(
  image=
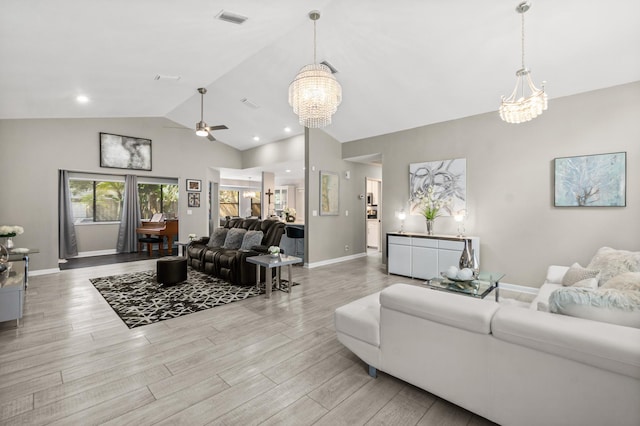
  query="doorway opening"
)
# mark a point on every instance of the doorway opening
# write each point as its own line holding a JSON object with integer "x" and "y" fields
{"x": 374, "y": 213}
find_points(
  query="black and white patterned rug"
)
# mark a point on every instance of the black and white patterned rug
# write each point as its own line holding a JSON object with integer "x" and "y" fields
{"x": 139, "y": 300}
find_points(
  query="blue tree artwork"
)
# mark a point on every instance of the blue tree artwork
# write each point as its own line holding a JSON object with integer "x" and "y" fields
{"x": 591, "y": 180}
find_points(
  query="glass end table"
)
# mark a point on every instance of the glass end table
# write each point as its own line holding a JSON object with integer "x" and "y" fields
{"x": 485, "y": 283}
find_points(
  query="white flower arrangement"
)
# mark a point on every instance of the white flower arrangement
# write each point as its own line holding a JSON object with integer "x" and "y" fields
{"x": 289, "y": 211}
{"x": 431, "y": 203}
{"x": 192, "y": 237}
{"x": 274, "y": 250}
{"x": 10, "y": 231}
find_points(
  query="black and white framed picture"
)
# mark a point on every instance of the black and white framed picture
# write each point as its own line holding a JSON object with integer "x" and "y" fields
{"x": 125, "y": 152}
{"x": 194, "y": 185}
{"x": 442, "y": 182}
{"x": 597, "y": 180}
{"x": 194, "y": 199}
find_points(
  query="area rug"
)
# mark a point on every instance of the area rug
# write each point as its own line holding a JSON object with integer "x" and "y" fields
{"x": 139, "y": 300}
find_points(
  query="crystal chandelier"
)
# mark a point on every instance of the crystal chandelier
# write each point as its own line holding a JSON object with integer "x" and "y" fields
{"x": 524, "y": 108}
{"x": 315, "y": 93}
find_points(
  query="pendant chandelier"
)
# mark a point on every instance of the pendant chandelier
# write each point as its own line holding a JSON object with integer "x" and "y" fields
{"x": 315, "y": 93}
{"x": 521, "y": 109}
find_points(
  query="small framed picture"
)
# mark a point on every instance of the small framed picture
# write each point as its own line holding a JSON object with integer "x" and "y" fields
{"x": 194, "y": 199}
{"x": 194, "y": 185}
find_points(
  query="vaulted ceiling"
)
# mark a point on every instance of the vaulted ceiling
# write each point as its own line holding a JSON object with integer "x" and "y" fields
{"x": 402, "y": 64}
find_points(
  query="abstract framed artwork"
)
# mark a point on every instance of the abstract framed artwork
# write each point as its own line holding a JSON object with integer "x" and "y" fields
{"x": 329, "y": 193}
{"x": 194, "y": 185}
{"x": 193, "y": 199}
{"x": 597, "y": 180}
{"x": 447, "y": 180}
{"x": 125, "y": 152}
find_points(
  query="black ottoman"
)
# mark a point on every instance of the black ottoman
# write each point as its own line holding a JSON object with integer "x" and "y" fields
{"x": 171, "y": 270}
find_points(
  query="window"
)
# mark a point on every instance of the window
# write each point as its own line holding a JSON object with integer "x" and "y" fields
{"x": 229, "y": 203}
{"x": 255, "y": 205}
{"x": 158, "y": 198}
{"x": 96, "y": 200}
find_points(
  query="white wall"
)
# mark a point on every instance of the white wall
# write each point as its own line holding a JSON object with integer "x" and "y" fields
{"x": 34, "y": 150}
{"x": 510, "y": 180}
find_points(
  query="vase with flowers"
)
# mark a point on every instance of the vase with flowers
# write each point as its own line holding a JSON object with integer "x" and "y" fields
{"x": 431, "y": 205}
{"x": 290, "y": 214}
{"x": 8, "y": 232}
{"x": 274, "y": 251}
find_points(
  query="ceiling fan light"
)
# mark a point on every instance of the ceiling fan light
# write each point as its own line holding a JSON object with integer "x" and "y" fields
{"x": 201, "y": 129}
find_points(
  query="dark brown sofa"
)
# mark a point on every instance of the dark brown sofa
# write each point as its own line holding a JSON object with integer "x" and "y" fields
{"x": 230, "y": 263}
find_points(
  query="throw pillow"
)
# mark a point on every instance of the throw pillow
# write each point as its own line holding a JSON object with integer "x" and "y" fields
{"x": 621, "y": 307}
{"x": 611, "y": 262}
{"x": 217, "y": 238}
{"x": 234, "y": 238}
{"x": 626, "y": 281}
{"x": 591, "y": 283}
{"x": 577, "y": 273}
{"x": 251, "y": 239}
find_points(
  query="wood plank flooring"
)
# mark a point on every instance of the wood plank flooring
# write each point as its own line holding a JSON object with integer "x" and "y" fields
{"x": 259, "y": 361}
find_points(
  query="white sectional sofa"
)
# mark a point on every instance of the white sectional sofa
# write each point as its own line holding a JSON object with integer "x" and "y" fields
{"x": 511, "y": 365}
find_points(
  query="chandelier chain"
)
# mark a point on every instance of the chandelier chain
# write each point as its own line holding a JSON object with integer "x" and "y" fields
{"x": 314, "y": 42}
{"x": 522, "y": 40}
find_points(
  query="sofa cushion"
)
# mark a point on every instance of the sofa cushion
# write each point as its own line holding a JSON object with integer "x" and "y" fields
{"x": 218, "y": 237}
{"x": 611, "y": 262}
{"x": 251, "y": 239}
{"x": 621, "y": 307}
{"x": 234, "y": 238}
{"x": 602, "y": 345}
{"x": 577, "y": 273}
{"x": 360, "y": 319}
{"x": 450, "y": 309}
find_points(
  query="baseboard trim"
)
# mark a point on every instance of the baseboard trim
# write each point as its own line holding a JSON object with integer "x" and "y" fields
{"x": 95, "y": 253}
{"x": 335, "y": 260}
{"x": 44, "y": 272}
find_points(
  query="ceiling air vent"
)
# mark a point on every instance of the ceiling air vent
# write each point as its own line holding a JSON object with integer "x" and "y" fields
{"x": 250, "y": 104}
{"x": 234, "y": 18}
{"x": 333, "y": 70}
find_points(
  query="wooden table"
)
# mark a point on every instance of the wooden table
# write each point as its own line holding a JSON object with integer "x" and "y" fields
{"x": 269, "y": 262}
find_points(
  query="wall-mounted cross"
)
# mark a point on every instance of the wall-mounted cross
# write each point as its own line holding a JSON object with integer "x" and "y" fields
{"x": 268, "y": 194}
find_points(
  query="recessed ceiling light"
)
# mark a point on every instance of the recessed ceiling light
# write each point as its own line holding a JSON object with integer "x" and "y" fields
{"x": 288, "y": 170}
{"x": 256, "y": 138}
{"x": 287, "y": 129}
{"x": 82, "y": 99}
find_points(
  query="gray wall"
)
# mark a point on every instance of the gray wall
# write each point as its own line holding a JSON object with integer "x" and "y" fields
{"x": 34, "y": 150}
{"x": 327, "y": 236}
{"x": 510, "y": 180}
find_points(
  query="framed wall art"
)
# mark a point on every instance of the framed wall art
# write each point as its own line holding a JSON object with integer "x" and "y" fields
{"x": 194, "y": 185}
{"x": 125, "y": 152}
{"x": 445, "y": 180}
{"x": 193, "y": 199}
{"x": 329, "y": 194}
{"x": 597, "y": 180}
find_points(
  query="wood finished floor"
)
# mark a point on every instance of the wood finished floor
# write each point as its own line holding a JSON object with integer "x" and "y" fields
{"x": 263, "y": 361}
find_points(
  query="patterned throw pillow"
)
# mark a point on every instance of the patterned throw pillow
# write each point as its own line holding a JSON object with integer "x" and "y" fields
{"x": 234, "y": 238}
{"x": 218, "y": 237}
{"x": 577, "y": 273}
{"x": 251, "y": 238}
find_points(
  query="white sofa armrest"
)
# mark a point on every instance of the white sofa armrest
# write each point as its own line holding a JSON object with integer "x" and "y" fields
{"x": 607, "y": 346}
{"x": 555, "y": 273}
{"x": 455, "y": 310}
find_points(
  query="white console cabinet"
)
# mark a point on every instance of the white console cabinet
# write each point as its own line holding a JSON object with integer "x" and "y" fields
{"x": 425, "y": 256}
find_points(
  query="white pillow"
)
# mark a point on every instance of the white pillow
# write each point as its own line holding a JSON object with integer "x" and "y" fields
{"x": 611, "y": 262}
{"x": 621, "y": 307}
{"x": 626, "y": 281}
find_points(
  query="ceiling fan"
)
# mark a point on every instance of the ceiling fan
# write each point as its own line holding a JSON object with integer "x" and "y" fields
{"x": 201, "y": 127}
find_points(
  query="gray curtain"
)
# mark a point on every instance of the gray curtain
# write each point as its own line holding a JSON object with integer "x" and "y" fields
{"x": 67, "y": 244}
{"x": 127, "y": 237}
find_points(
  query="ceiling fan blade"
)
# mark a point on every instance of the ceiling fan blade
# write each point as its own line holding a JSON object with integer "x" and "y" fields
{"x": 210, "y": 137}
{"x": 218, "y": 127}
